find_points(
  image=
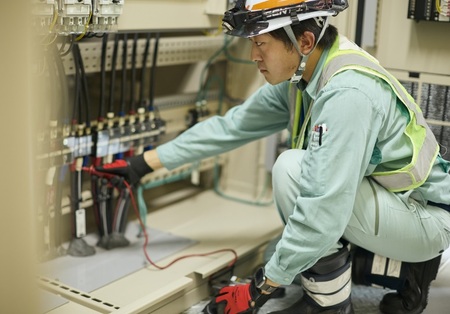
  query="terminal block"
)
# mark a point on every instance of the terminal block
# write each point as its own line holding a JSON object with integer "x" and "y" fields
{"x": 105, "y": 139}
{"x": 101, "y": 142}
{"x": 114, "y": 141}
{"x": 126, "y": 131}
{"x": 105, "y": 15}
{"x": 79, "y": 144}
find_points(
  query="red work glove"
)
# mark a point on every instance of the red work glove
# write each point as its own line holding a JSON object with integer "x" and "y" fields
{"x": 132, "y": 169}
{"x": 237, "y": 300}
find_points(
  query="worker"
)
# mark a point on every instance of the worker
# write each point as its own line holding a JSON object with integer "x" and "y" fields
{"x": 364, "y": 168}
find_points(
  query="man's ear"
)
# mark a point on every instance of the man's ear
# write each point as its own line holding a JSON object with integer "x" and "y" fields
{"x": 306, "y": 42}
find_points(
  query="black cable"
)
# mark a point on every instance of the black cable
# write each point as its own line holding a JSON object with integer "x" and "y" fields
{"x": 101, "y": 111}
{"x": 143, "y": 72}
{"x": 80, "y": 90}
{"x": 63, "y": 45}
{"x": 152, "y": 71}
{"x": 124, "y": 211}
{"x": 113, "y": 73}
{"x": 53, "y": 72}
{"x": 61, "y": 176}
{"x": 124, "y": 73}
{"x": 133, "y": 74}
{"x": 67, "y": 39}
{"x": 65, "y": 53}
{"x": 85, "y": 90}
{"x": 78, "y": 114}
{"x": 74, "y": 199}
{"x": 55, "y": 108}
{"x": 77, "y": 84}
{"x": 95, "y": 197}
{"x": 63, "y": 83}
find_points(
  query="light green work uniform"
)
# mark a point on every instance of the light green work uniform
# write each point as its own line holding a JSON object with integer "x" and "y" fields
{"x": 324, "y": 192}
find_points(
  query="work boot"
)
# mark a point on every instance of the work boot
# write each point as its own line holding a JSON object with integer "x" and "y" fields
{"x": 412, "y": 298}
{"x": 326, "y": 287}
{"x": 370, "y": 269}
{"x": 411, "y": 280}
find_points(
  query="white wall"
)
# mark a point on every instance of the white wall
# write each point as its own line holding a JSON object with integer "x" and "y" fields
{"x": 170, "y": 14}
{"x": 404, "y": 44}
{"x": 16, "y": 229}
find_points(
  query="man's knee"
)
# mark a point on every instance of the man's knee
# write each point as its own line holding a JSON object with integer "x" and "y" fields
{"x": 287, "y": 165}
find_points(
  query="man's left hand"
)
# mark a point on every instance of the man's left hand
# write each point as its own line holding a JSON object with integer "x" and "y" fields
{"x": 239, "y": 299}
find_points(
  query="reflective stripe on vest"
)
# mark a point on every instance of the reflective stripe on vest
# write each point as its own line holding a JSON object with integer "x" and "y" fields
{"x": 295, "y": 101}
{"x": 425, "y": 146}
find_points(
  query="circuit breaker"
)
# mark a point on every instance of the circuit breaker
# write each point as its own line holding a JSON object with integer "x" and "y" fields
{"x": 429, "y": 10}
{"x": 66, "y": 17}
{"x": 105, "y": 15}
{"x": 73, "y": 16}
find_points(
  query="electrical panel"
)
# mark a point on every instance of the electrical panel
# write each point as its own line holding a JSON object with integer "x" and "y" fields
{"x": 429, "y": 10}
{"x": 434, "y": 100}
{"x": 66, "y": 17}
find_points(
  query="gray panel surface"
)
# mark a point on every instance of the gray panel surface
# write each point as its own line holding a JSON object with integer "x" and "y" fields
{"x": 92, "y": 272}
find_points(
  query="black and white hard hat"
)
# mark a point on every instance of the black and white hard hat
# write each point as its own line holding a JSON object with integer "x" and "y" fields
{"x": 255, "y": 17}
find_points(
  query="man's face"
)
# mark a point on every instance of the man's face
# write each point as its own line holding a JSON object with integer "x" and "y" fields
{"x": 275, "y": 61}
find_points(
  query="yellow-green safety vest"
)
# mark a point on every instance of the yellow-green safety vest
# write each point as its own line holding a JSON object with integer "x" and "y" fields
{"x": 345, "y": 55}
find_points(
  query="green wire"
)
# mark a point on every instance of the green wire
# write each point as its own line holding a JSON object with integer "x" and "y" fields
{"x": 227, "y": 41}
{"x": 233, "y": 198}
{"x": 202, "y": 95}
{"x": 153, "y": 184}
{"x": 236, "y": 60}
{"x": 221, "y": 90}
{"x": 201, "y": 92}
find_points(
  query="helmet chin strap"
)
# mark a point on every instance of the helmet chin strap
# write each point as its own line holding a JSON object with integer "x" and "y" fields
{"x": 303, "y": 58}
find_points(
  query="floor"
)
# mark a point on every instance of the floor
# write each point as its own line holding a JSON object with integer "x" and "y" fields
{"x": 171, "y": 291}
{"x": 365, "y": 300}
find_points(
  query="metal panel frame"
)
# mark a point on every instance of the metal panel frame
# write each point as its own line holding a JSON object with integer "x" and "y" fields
{"x": 172, "y": 51}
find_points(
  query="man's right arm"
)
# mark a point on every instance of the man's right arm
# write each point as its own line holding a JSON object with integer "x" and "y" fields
{"x": 133, "y": 168}
{"x": 152, "y": 159}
